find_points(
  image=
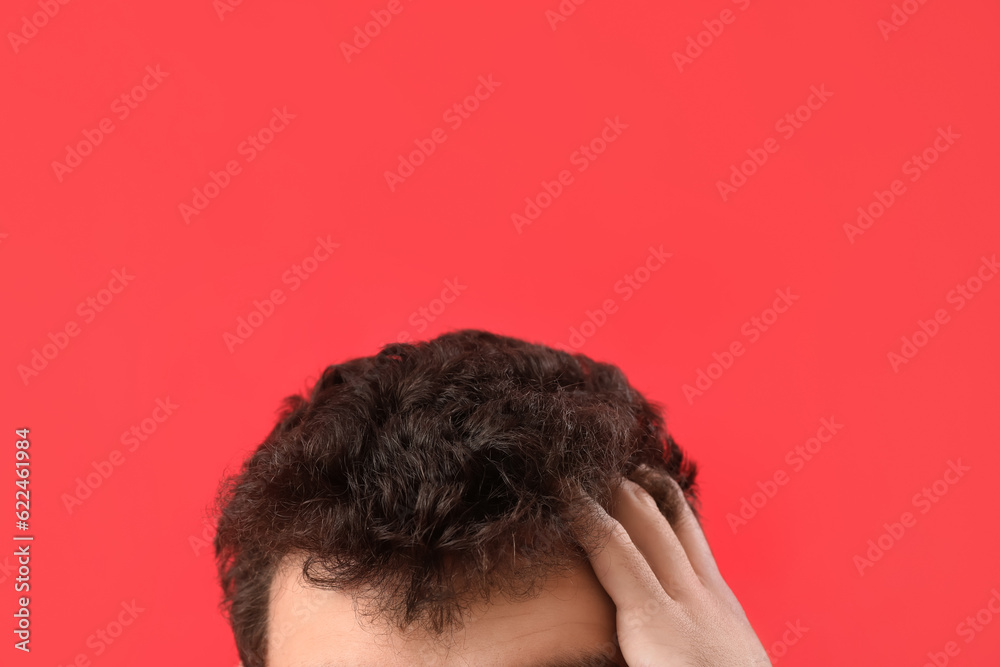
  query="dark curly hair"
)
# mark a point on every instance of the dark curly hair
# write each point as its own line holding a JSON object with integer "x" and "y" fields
{"x": 436, "y": 474}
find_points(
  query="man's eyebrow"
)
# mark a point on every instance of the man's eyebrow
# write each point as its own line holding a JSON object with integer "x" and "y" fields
{"x": 587, "y": 659}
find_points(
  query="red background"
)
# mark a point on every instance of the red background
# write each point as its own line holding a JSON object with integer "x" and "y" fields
{"x": 138, "y": 536}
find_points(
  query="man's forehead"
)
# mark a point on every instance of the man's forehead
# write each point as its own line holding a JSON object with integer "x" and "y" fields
{"x": 570, "y": 624}
{"x": 571, "y": 658}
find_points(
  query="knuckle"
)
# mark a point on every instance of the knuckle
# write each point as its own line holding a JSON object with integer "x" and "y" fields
{"x": 620, "y": 534}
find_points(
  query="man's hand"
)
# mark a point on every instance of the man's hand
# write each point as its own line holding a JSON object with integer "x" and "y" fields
{"x": 674, "y": 608}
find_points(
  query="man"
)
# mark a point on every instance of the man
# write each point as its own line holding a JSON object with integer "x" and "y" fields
{"x": 473, "y": 500}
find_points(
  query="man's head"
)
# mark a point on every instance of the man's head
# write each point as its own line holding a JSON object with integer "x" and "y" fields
{"x": 413, "y": 510}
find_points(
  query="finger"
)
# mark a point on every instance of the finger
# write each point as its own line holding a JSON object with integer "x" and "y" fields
{"x": 619, "y": 565}
{"x": 650, "y": 531}
{"x": 692, "y": 537}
